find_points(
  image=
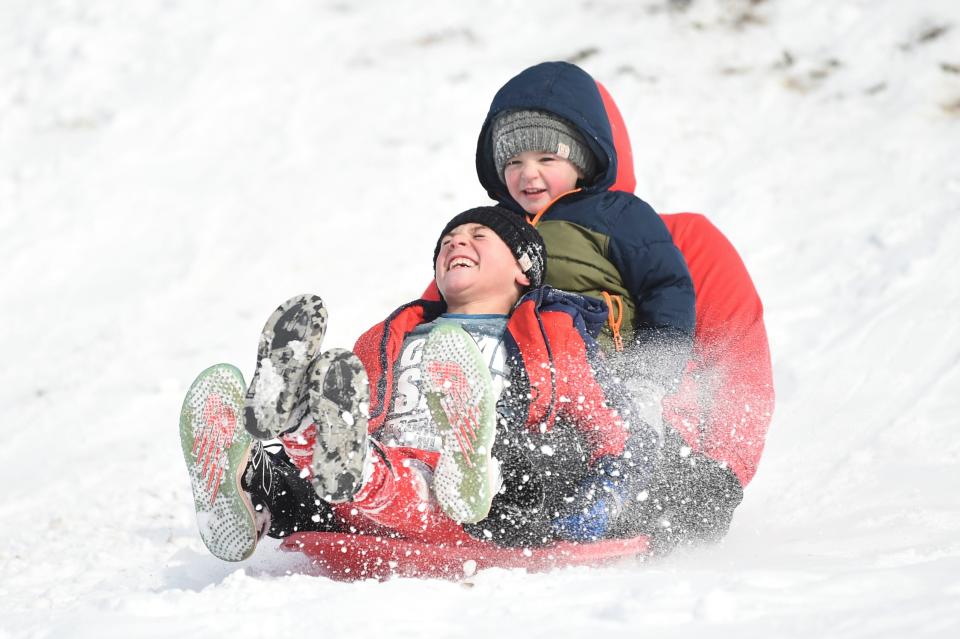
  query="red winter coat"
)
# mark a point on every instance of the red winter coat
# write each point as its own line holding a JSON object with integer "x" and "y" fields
{"x": 725, "y": 401}
{"x": 552, "y": 357}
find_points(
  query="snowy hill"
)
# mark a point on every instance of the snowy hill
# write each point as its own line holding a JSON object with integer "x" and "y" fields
{"x": 170, "y": 171}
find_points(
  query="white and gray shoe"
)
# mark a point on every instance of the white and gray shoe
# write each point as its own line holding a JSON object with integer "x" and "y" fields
{"x": 339, "y": 405}
{"x": 290, "y": 340}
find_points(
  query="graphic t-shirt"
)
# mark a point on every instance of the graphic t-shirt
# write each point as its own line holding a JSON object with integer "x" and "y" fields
{"x": 409, "y": 422}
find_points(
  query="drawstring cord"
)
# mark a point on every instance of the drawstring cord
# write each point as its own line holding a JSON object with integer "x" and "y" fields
{"x": 615, "y": 318}
{"x": 614, "y": 302}
{"x": 536, "y": 218}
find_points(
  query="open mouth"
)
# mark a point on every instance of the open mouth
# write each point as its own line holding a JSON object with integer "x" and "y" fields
{"x": 460, "y": 262}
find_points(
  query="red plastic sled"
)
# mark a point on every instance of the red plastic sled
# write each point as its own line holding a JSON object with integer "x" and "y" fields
{"x": 351, "y": 557}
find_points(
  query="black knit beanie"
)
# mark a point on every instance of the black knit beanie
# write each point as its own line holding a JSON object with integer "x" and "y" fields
{"x": 522, "y": 238}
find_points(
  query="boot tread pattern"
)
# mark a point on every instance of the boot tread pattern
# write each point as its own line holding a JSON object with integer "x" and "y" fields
{"x": 459, "y": 391}
{"x": 290, "y": 340}
{"x": 216, "y": 449}
{"x": 339, "y": 398}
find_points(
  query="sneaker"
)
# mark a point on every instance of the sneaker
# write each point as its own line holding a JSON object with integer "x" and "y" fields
{"x": 339, "y": 400}
{"x": 216, "y": 449}
{"x": 456, "y": 381}
{"x": 331, "y": 442}
{"x": 299, "y": 443}
{"x": 290, "y": 339}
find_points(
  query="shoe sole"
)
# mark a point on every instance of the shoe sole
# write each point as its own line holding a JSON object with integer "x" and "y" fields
{"x": 339, "y": 403}
{"x": 290, "y": 340}
{"x": 216, "y": 449}
{"x": 459, "y": 391}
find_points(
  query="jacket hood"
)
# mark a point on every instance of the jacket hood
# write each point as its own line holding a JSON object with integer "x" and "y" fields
{"x": 592, "y": 310}
{"x": 562, "y": 89}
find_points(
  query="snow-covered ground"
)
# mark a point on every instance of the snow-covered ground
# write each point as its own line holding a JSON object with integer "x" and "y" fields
{"x": 171, "y": 170}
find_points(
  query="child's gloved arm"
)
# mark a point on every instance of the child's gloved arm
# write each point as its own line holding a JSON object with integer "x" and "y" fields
{"x": 644, "y": 401}
{"x": 657, "y": 357}
{"x": 655, "y": 274}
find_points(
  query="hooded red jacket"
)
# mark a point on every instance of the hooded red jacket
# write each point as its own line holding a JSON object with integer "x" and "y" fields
{"x": 553, "y": 361}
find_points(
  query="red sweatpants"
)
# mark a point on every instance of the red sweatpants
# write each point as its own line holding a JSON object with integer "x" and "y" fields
{"x": 398, "y": 498}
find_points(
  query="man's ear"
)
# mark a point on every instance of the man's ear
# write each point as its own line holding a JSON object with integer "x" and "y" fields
{"x": 522, "y": 278}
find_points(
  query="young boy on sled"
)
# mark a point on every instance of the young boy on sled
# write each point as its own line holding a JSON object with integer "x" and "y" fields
{"x": 486, "y": 414}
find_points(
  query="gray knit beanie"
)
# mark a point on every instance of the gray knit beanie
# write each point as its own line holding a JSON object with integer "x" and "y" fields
{"x": 517, "y": 131}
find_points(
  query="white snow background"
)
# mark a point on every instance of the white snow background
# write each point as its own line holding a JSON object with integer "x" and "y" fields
{"x": 170, "y": 171}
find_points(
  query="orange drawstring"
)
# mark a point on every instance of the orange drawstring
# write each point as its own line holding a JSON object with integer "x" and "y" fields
{"x": 536, "y": 218}
{"x": 615, "y": 318}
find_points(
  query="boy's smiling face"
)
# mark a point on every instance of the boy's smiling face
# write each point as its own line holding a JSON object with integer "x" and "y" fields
{"x": 535, "y": 178}
{"x": 477, "y": 272}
